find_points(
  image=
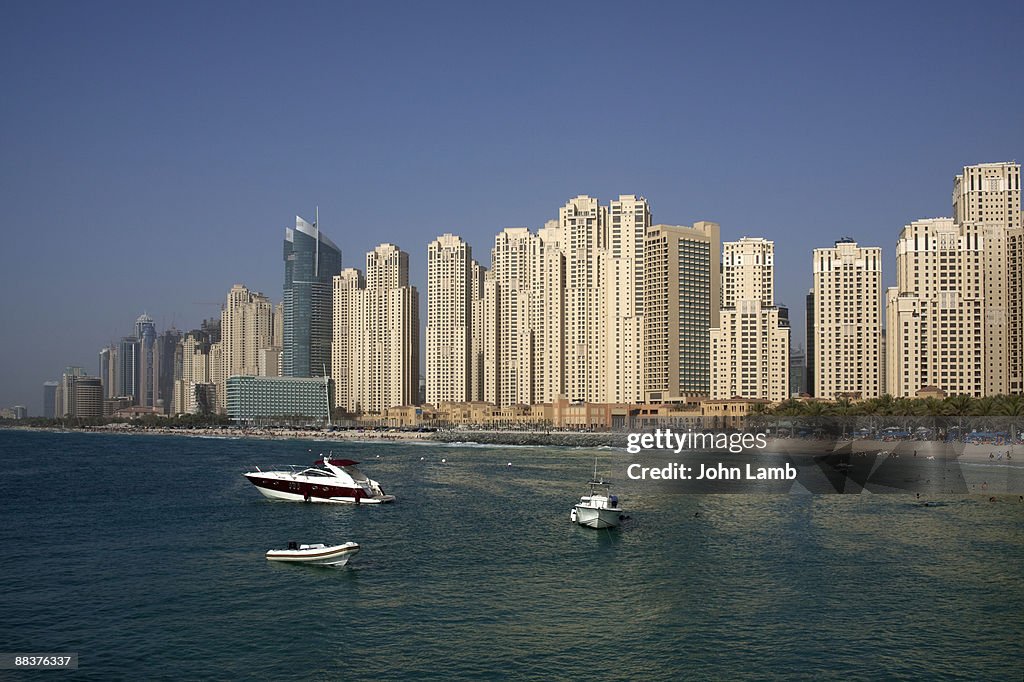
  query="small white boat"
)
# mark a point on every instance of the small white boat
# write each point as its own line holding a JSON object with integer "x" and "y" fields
{"x": 317, "y": 554}
{"x": 599, "y": 509}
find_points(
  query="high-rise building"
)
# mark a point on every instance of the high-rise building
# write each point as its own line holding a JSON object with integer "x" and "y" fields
{"x": 166, "y": 345}
{"x": 935, "y": 315}
{"x": 194, "y": 376}
{"x": 50, "y": 399}
{"x": 148, "y": 373}
{"x": 514, "y": 253}
{"x": 682, "y": 290}
{"x": 311, "y": 261}
{"x": 477, "y": 276}
{"x": 521, "y": 317}
{"x": 449, "y": 370}
{"x": 278, "y": 340}
{"x": 128, "y": 354}
{"x": 548, "y": 315}
{"x": 848, "y": 320}
{"x": 584, "y": 225}
{"x": 988, "y": 195}
{"x": 809, "y": 325}
{"x": 247, "y": 327}
{"x": 79, "y": 395}
{"x": 376, "y": 334}
{"x": 750, "y": 345}
{"x": 797, "y": 371}
{"x": 954, "y": 318}
{"x": 348, "y": 350}
{"x": 629, "y": 217}
{"x": 108, "y": 370}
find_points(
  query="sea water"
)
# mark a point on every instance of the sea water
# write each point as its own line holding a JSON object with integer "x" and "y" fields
{"x": 145, "y": 555}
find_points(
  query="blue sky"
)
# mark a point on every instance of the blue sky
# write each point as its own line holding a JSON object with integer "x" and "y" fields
{"x": 153, "y": 153}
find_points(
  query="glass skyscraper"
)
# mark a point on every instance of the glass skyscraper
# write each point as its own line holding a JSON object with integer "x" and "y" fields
{"x": 310, "y": 262}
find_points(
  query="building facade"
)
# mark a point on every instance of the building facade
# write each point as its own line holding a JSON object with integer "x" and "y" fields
{"x": 251, "y": 398}
{"x": 450, "y": 297}
{"x": 935, "y": 315}
{"x": 954, "y": 318}
{"x": 682, "y": 285}
{"x": 79, "y": 395}
{"x": 750, "y": 346}
{"x": 988, "y": 195}
{"x": 310, "y": 262}
{"x": 848, "y": 320}
{"x": 247, "y": 328}
{"x": 376, "y": 334}
{"x": 148, "y": 370}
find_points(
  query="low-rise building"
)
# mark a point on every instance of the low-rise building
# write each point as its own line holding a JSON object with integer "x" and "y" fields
{"x": 256, "y": 397}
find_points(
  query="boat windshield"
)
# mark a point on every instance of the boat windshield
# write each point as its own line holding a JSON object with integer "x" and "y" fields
{"x": 357, "y": 475}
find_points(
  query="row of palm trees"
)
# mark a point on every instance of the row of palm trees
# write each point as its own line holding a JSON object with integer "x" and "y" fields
{"x": 953, "y": 406}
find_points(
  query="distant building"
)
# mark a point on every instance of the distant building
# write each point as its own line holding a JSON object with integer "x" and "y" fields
{"x": 115, "y": 404}
{"x": 253, "y": 397}
{"x": 50, "y": 399}
{"x": 194, "y": 369}
{"x": 797, "y": 371}
{"x": 128, "y": 368}
{"x": 108, "y": 370}
{"x": 166, "y": 344}
{"x": 311, "y": 261}
{"x": 20, "y": 412}
{"x": 79, "y": 395}
{"x": 148, "y": 361}
{"x": 810, "y": 380}
{"x": 270, "y": 362}
{"x": 246, "y": 326}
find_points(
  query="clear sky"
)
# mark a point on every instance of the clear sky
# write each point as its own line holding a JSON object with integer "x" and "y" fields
{"x": 153, "y": 153}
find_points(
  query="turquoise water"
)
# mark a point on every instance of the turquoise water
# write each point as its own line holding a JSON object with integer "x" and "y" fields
{"x": 145, "y": 556}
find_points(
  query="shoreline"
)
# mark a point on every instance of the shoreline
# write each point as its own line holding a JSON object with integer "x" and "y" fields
{"x": 569, "y": 439}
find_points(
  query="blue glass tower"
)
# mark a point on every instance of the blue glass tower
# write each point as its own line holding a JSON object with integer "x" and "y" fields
{"x": 311, "y": 261}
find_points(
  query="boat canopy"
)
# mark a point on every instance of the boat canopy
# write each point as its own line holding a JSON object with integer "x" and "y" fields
{"x": 341, "y": 462}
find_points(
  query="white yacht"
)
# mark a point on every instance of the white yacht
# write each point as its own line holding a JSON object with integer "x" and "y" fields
{"x": 328, "y": 480}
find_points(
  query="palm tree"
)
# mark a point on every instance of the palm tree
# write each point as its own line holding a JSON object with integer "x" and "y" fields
{"x": 984, "y": 407}
{"x": 934, "y": 407}
{"x": 1011, "y": 406}
{"x": 959, "y": 405}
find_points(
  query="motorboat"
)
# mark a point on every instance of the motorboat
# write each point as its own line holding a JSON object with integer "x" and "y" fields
{"x": 599, "y": 509}
{"x": 317, "y": 554}
{"x": 328, "y": 480}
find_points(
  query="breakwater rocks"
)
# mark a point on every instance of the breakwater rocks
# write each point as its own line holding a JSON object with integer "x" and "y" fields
{"x": 552, "y": 438}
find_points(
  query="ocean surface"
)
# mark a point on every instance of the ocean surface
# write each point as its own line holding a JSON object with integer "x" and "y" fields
{"x": 145, "y": 555}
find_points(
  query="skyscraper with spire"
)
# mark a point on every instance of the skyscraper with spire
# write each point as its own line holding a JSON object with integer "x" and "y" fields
{"x": 310, "y": 262}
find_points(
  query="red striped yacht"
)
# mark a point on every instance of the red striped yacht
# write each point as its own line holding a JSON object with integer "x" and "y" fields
{"x": 328, "y": 480}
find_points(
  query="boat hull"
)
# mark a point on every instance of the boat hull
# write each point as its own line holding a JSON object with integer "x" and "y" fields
{"x": 338, "y": 555}
{"x": 298, "y": 491}
{"x": 597, "y": 517}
